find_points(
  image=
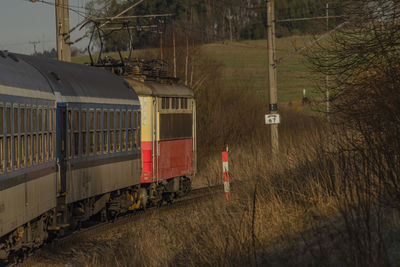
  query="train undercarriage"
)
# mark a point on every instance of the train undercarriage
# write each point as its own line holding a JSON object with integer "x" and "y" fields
{"x": 66, "y": 218}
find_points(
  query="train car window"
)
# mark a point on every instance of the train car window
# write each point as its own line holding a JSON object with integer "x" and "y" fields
{"x": 163, "y": 102}
{"x": 50, "y": 126}
{"x": 44, "y": 135}
{"x": 118, "y": 132}
{"x": 1, "y": 140}
{"x": 83, "y": 132}
{"x": 46, "y": 147}
{"x": 53, "y": 135}
{"x": 173, "y": 104}
{"x": 34, "y": 127}
{"x": 15, "y": 116}
{"x": 112, "y": 135}
{"x": 40, "y": 120}
{"x": 8, "y": 120}
{"x": 98, "y": 132}
{"x": 129, "y": 119}
{"x": 133, "y": 137}
{"x": 40, "y": 147}
{"x": 8, "y": 153}
{"x": 2, "y": 120}
{"x": 22, "y": 135}
{"x": 105, "y": 132}
{"x": 40, "y": 134}
{"x": 8, "y": 138}
{"x": 69, "y": 133}
{"x": 22, "y": 119}
{"x": 123, "y": 130}
{"x": 34, "y": 119}
{"x": 15, "y": 151}
{"x": 28, "y": 135}
{"x": 76, "y": 132}
{"x": 45, "y": 118}
{"x": 28, "y": 120}
{"x": 50, "y": 111}
{"x": 129, "y": 130}
{"x": 91, "y": 132}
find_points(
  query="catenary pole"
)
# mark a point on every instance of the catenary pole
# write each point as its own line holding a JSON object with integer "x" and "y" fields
{"x": 62, "y": 30}
{"x": 272, "y": 92}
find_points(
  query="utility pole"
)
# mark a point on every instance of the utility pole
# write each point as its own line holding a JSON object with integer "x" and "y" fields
{"x": 34, "y": 43}
{"x": 327, "y": 77}
{"x": 273, "y": 118}
{"x": 62, "y": 30}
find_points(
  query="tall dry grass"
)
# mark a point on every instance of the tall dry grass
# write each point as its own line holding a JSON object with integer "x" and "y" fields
{"x": 320, "y": 204}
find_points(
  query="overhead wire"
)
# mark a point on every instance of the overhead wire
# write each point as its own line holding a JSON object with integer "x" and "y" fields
{"x": 55, "y": 5}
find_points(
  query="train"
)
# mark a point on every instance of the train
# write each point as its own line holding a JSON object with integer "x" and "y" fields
{"x": 79, "y": 143}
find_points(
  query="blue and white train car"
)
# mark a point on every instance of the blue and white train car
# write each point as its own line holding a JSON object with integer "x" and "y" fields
{"x": 69, "y": 148}
{"x": 27, "y": 154}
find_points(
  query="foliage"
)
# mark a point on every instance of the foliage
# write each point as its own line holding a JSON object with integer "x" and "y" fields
{"x": 212, "y": 20}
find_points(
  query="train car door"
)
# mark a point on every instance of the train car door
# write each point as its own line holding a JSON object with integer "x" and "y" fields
{"x": 62, "y": 146}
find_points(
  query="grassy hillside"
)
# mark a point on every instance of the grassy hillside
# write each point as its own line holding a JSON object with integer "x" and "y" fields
{"x": 245, "y": 65}
{"x": 247, "y": 61}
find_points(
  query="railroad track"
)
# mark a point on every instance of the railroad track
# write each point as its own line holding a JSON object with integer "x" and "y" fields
{"x": 194, "y": 196}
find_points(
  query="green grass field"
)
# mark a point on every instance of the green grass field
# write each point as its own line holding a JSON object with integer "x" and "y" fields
{"x": 246, "y": 61}
{"x": 245, "y": 66}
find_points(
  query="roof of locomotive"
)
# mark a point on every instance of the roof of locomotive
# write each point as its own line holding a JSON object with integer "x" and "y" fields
{"x": 159, "y": 89}
{"x": 18, "y": 78}
{"x": 79, "y": 83}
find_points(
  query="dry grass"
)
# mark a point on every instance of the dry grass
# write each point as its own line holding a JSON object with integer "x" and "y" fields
{"x": 311, "y": 208}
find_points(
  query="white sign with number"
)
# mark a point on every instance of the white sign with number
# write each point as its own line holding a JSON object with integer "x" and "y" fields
{"x": 272, "y": 119}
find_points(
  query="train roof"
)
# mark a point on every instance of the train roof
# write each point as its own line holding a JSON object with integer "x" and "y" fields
{"x": 159, "y": 89}
{"x": 18, "y": 78}
{"x": 79, "y": 83}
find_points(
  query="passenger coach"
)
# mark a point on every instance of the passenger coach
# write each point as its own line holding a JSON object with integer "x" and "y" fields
{"x": 27, "y": 155}
{"x": 78, "y": 143}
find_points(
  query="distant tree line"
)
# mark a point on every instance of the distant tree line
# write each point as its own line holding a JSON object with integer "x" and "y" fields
{"x": 212, "y": 20}
{"x": 53, "y": 52}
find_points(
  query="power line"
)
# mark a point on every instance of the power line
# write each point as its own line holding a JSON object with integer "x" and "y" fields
{"x": 55, "y": 5}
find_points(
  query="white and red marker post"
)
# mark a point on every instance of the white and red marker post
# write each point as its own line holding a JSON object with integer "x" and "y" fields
{"x": 225, "y": 170}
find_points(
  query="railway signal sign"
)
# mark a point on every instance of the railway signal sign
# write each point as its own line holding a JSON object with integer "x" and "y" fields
{"x": 272, "y": 119}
